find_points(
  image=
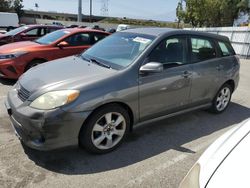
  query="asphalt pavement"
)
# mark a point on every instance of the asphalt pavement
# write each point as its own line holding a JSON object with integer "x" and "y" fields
{"x": 158, "y": 154}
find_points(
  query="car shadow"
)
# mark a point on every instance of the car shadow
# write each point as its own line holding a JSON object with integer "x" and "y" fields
{"x": 8, "y": 82}
{"x": 146, "y": 141}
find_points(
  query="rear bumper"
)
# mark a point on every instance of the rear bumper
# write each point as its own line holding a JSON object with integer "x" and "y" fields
{"x": 44, "y": 130}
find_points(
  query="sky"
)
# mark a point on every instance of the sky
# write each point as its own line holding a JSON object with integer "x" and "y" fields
{"x": 163, "y": 10}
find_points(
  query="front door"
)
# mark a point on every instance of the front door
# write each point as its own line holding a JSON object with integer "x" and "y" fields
{"x": 168, "y": 91}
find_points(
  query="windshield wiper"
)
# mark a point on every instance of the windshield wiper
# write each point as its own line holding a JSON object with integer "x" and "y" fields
{"x": 99, "y": 63}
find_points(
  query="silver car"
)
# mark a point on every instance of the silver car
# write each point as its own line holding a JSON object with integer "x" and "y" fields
{"x": 94, "y": 99}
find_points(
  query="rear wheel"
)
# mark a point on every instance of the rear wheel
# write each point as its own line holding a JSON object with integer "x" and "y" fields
{"x": 222, "y": 99}
{"x": 105, "y": 129}
{"x": 33, "y": 64}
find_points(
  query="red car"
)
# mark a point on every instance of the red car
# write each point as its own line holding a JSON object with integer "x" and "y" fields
{"x": 26, "y": 33}
{"x": 16, "y": 58}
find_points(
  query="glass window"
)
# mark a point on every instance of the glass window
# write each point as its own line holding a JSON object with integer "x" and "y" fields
{"x": 50, "y": 30}
{"x": 170, "y": 52}
{"x": 52, "y": 37}
{"x": 202, "y": 50}
{"x": 16, "y": 31}
{"x": 119, "y": 50}
{"x": 32, "y": 32}
{"x": 99, "y": 36}
{"x": 224, "y": 49}
{"x": 79, "y": 39}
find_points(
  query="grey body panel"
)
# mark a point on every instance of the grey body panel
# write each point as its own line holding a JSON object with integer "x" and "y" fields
{"x": 147, "y": 96}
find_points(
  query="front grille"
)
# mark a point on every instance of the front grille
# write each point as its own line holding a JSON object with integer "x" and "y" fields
{"x": 23, "y": 94}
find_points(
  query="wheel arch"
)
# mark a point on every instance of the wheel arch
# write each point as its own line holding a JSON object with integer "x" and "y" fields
{"x": 123, "y": 105}
{"x": 35, "y": 59}
{"x": 231, "y": 83}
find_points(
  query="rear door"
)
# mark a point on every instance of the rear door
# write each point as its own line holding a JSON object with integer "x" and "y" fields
{"x": 168, "y": 91}
{"x": 206, "y": 66}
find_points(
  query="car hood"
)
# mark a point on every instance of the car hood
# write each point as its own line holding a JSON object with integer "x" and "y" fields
{"x": 234, "y": 170}
{"x": 219, "y": 150}
{"x": 67, "y": 73}
{"x": 18, "y": 46}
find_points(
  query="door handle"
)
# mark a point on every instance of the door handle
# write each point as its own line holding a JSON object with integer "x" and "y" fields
{"x": 186, "y": 74}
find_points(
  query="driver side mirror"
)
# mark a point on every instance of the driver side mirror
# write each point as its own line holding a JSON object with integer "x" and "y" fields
{"x": 152, "y": 67}
{"x": 62, "y": 44}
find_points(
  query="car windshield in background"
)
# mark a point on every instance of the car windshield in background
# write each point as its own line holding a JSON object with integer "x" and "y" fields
{"x": 52, "y": 37}
{"x": 17, "y": 30}
{"x": 119, "y": 50}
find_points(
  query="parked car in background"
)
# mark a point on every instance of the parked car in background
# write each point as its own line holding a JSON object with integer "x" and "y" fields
{"x": 122, "y": 27}
{"x": 18, "y": 57}
{"x": 8, "y": 21}
{"x": 27, "y": 33}
{"x": 225, "y": 163}
{"x": 111, "y": 30}
{"x": 96, "y": 27}
{"x": 130, "y": 77}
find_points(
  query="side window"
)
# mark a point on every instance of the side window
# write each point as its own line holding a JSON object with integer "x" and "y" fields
{"x": 202, "y": 49}
{"x": 32, "y": 32}
{"x": 225, "y": 50}
{"x": 79, "y": 39}
{"x": 98, "y": 37}
{"x": 49, "y": 30}
{"x": 170, "y": 52}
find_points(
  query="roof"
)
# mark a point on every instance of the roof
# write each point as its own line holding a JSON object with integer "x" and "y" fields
{"x": 157, "y": 32}
{"x": 77, "y": 29}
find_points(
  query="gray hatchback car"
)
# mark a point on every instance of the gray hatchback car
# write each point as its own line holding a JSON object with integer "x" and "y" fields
{"x": 138, "y": 75}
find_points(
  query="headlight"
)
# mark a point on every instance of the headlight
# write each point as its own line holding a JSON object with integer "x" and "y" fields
{"x": 192, "y": 178}
{"x": 54, "y": 99}
{"x": 12, "y": 55}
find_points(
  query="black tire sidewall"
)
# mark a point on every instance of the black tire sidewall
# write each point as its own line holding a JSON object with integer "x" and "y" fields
{"x": 86, "y": 130}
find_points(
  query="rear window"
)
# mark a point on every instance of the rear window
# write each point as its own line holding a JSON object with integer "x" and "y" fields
{"x": 226, "y": 49}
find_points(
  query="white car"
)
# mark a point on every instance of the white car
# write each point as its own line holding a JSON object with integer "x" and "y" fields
{"x": 226, "y": 163}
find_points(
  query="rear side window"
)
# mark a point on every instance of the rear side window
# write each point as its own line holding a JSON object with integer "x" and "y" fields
{"x": 202, "y": 49}
{"x": 98, "y": 37}
{"x": 79, "y": 39}
{"x": 49, "y": 30}
{"x": 225, "y": 49}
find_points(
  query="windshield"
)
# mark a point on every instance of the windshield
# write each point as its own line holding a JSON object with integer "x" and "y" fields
{"x": 17, "y": 30}
{"x": 52, "y": 37}
{"x": 119, "y": 50}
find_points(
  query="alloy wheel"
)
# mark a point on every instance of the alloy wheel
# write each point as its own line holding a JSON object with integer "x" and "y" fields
{"x": 108, "y": 130}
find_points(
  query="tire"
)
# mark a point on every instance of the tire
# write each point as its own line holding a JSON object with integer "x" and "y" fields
{"x": 222, "y": 99}
{"x": 100, "y": 134}
{"x": 33, "y": 64}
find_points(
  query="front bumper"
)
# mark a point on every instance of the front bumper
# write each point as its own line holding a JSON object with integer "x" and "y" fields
{"x": 8, "y": 69}
{"x": 44, "y": 130}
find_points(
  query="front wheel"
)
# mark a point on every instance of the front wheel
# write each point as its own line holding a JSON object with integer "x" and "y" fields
{"x": 105, "y": 129}
{"x": 222, "y": 99}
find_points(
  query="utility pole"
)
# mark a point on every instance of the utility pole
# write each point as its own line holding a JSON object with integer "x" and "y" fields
{"x": 79, "y": 19}
{"x": 90, "y": 11}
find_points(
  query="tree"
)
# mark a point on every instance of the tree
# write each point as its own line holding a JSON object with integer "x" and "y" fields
{"x": 212, "y": 13}
{"x": 12, "y": 6}
{"x": 18, "y": 7}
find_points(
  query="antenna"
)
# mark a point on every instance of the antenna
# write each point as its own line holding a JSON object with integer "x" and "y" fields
{"x": 104, "y": 7}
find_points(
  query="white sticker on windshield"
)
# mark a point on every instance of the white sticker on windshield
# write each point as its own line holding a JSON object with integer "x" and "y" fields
{"x": 142, "y": 40}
